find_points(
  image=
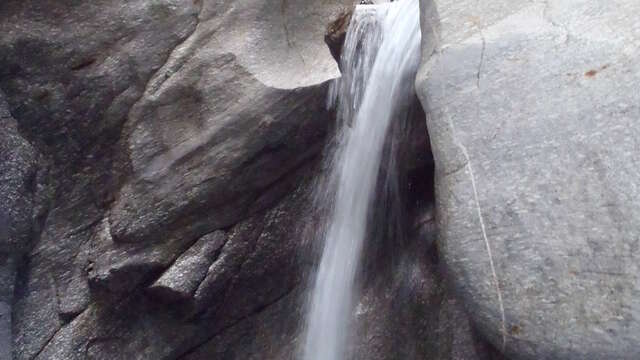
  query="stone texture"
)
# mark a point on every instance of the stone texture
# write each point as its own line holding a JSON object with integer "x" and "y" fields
{"x": 220, "y": 135}
{"x": 257, "y": 267}
{"x": 18, "y": 168}
{"x": 97, "y": 88}
{"x": 220, "y": 132}
{"x": 138, "y": 128}
{"x": 18, "y": 172}
{"x": 405, "y": 309}
{"x": 532, "y": 114}
{"x": 174, "y": 86}
{"x": 71, "y": 70}
{"x": 7, "y": 280}
{"x": 181, "y": 280}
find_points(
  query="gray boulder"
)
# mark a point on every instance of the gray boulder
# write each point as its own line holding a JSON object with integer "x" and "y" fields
{"x": 221, "y": 130}
{"x": 70, "y": 72}
{"x": 533, "y": 119}
{"x": 236, "y": 107}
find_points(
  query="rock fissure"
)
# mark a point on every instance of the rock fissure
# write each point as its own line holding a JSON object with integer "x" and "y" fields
{"x": 238, "y": 269}
{"x": 483, "y": 231}
{"x": 467, "y": 165}
{"x": 49, "y": 340}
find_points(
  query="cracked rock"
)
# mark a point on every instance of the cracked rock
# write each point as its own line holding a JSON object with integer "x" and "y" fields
{"x": 536, "y": 173}
{"x": 181, "y": 280}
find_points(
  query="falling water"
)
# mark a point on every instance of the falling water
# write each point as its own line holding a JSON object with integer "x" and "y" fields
{"x": 379, "y": 62}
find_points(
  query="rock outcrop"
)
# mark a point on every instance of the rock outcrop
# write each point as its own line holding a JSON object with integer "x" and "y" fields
{"x": 532, "y": 114}
{"x": 159, "y": 123}
{"x": 158, "y": 162}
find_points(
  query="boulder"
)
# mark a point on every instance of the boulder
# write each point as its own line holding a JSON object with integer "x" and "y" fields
{"x": 532, "y": 115}
{"x": 236, "y": 108}
{"x": 220, "y": 132}
{"x": 162, "y": 121}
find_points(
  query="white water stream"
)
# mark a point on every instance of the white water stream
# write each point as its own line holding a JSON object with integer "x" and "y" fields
{"x": 379, "y": 62}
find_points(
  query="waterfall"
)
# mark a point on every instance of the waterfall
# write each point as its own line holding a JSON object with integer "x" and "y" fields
{"x": 379, "y": 62}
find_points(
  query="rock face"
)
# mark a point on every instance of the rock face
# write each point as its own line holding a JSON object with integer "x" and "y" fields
{"x": 232, "y": 145}
{"x": 160, "y": 123}
{"x": 18, "y": 166}
{"x": 532, "y": 114}
{"x": 72, "y": 71}
{"x": 158, "y": 162}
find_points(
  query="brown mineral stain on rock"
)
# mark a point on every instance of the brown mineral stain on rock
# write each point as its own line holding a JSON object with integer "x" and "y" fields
{"x": 515, "y": 330}
{"x": 336, "y": 34}
{"x": 593, "y": 72}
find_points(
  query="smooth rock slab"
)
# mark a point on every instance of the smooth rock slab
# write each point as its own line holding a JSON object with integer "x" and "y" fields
{"x": 533, "y": 119}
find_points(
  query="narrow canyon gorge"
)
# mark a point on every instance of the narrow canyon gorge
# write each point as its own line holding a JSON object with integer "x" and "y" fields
{"x": 329, "y": 180}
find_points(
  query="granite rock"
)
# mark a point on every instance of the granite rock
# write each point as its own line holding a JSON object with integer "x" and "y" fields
{"x": 532, "y": 115}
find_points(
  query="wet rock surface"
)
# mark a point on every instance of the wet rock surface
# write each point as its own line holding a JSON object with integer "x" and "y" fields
{"x": 532, "y": 119}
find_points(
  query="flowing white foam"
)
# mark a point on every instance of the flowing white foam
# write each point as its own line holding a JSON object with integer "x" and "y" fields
{"x": 379, "y": 62}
